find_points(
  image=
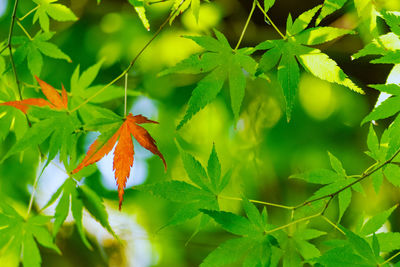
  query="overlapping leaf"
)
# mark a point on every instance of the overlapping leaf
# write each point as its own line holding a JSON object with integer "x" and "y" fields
{"x": 77, "y": 198}
{"x": 333, "y": 181}
{"x": 82, "y": 88}
{"x": 294, "y": 48}
{"x": 253, "y": 245}
{"x": 33, "y": 50}
{"x": 20, "y": 237}
{"x": 123, "y": 154}
{"x": 12, "y": 119}
{"x": 356, "y": 251}
{"x": 207, "y": 185}
{"x": 180, "y": 6}
{"x": 328, "y": 8}
{"x": 55, "y": 123}
{"x": 56, "y": 11}
{"x": 55, "y": 100}
{"x": 222, "y": 63}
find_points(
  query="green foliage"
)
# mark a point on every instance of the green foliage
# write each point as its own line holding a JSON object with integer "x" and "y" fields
{"x": 39, "y": 135}
{"x": 203, "y": 194}
{"x": 292, "y": 49}
{"x": 33, "y": 51}
{"x": 253, "y": 246}
{"x": 223, "y": 63}
{"x": 47, "y": 8}
{"x": 17, "y": 233}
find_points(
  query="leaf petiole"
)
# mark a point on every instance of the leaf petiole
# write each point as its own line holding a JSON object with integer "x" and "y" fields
{"x": 269, "y": 19}
{"x": 29, "y": 12}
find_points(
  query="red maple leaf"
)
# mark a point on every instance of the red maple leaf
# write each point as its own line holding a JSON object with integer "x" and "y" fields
{"x": 56, "y": 101}
{"x": 123, "y": 153}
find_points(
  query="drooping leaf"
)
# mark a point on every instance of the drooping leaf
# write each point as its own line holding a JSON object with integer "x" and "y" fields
{"x": 268, "y": 4}
{"x": 95, "y": 206}
{"x": 141, "y": 11}
{"x": 214, "y": 169}
{"x": 344, "y": 201}
{"x": 123, "y": 153}
{"x": 289, "y": 77}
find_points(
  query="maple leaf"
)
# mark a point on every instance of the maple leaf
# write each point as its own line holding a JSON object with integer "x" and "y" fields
{"x": 57, "y": 101}
{"x": 294, "y": 50}
{"x": 124, "y": 151}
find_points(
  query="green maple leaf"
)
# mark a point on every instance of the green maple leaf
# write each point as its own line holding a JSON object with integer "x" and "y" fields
{"x": 253, "y": 245}
{"x": 141, "y": 11}
{"x": 329, "y": 7}
{"x": 367, "y": 12}
{"x": 78, "y": 197}
{"x": 12, "y": 119}
{"x": 333, "y": 181}
{"x": 18, "y": 234}
{"x": 287, "y": 52}
{"x": 56, "y": 11}
{"x": 180, "y": 6}
{"x": 82, "y": 87}
{"x": 222, "y": 63}
{"x": 207, "y": 185}
{"x": 33, "y": 50}
{"x": 56, "y": 126}
{"x": 355, "y": 251}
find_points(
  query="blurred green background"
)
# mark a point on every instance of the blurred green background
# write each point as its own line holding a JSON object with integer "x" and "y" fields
{"x": 262, "y": 148}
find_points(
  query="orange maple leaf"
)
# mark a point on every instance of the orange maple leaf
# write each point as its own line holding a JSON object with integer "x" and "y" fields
{"x": 123, "y": 153}
{"x": 57, "y": 101}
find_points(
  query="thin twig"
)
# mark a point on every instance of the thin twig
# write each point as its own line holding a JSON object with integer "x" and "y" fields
{"x": 292, "y": 223}
{"x": 29, "y": 12}
{"x": 33, "y": 192}
{"x": 131, "y": 64}
{"x": 259, "y": 202}
{"x": 24, "y": 30}
{"x": 390, "y": 259}
{"x": 253, "y": 7}
{"x": 332, "y": 223}
{"x": 365, "y": 174}
{"x": 125, "y": 93}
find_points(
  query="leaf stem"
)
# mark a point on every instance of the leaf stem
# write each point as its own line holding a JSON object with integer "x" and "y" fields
{"x": 126, "y": 94}
{"x": 30, "y": 12}
{"x": 23, "y": 29}
{"x": 390, "y": 259}
{"x": 368, "y": 172}
{"x": 259, "y": 202}
{"x": 292, "y": 223}
{"x": 253, "y": 7}
{"x": 269, "y": 19}
{"x": 332, "y": 223}
{"x": 33, "y": 192}
{"x": 131, "y": 64}
{"x": 10, "y": 34}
